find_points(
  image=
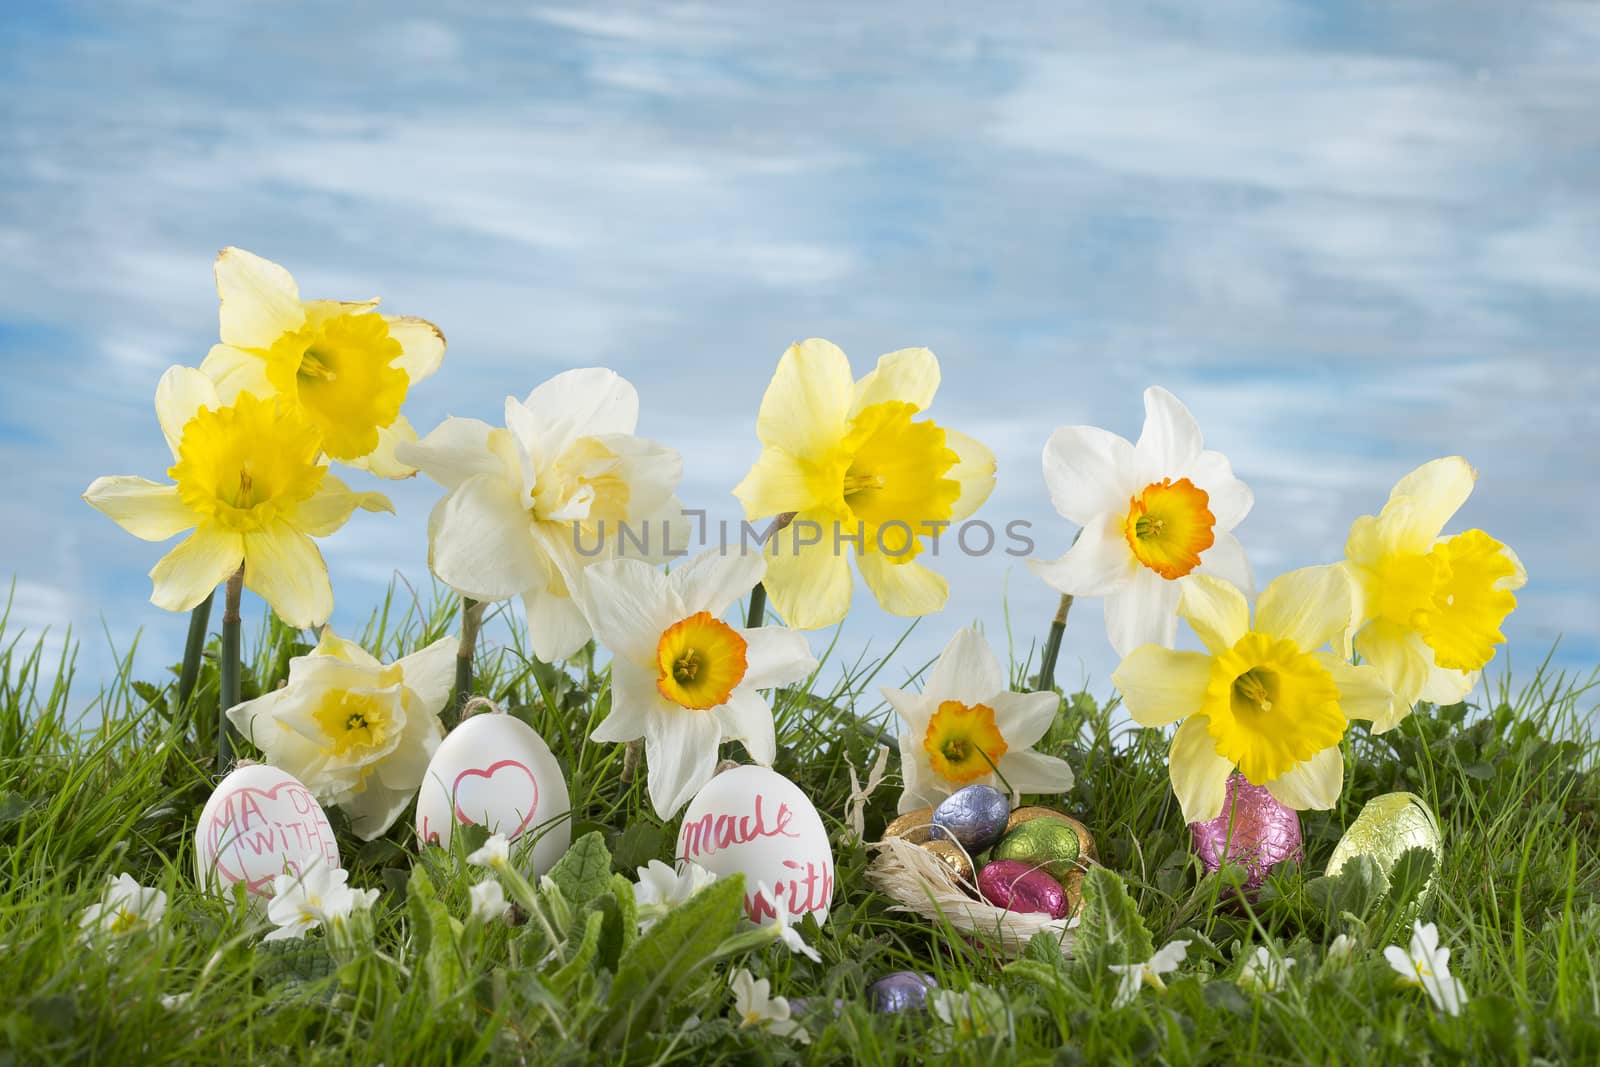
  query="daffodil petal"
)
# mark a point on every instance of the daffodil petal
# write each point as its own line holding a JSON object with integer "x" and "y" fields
{"x": 807, "y": 404}
{"x": 452, "y": 452}
{"x": 974, "y": 470}
{"x": 1098, "y": 563}
{"x": 1436, "y": 490}
{"x": 383, "y": 460}
{"x": 681, "y": 754}
{"x": 421, "y": 345}
{"x": 1310, "y": 606}
{"x": 777, "y": 483}
{"x": 481, "y": 545}
{"x": 966, "y": 670}
{"x": 193, "y": 570}
{"x": 1089, "y": 472}
{"x": 1402, "y": 660}
{"x": 180, "y": 394}
{"x": 1216, "y": 610}
{"x": 236, "y": 371}
{"x": 715, "y": 579}
{"x": 1170, "y": 440}
{"x": 1445, "y": 686}
{"x": 1160, "y": 685}
{"x": 907, "y": 589}
{"x": 1363, "y": 691}
{"x": 810, "y": 586}
{"x": 629, "y": 605}
{"x": 747, "y": 718}
{"x": 1314, "y": 784}
{"x": 284, "y": 567}
{"x": 1199, "y": 775}
{"x": 556, "y": 626}
{"x": 1142, "y": 612}
{"x": 260, "y": 301}
{"x": 1229, "y": 499}
{"x": 910, "y": 375}
{"x": 1023, "y": 718}
{"x": 633, "y": 698}
{"x": 333, "y": 504}
{"x": 331, "y": 645}
{"x": 585, "y": 402}
{"x": 774, "y": 656}
{"x": 1035, "y": 772}
{"x": 430, "y": 672}
{"x": 148, "y": 510}
{"x": 1519, "y": 574}
{"x": 1225, "y": 559}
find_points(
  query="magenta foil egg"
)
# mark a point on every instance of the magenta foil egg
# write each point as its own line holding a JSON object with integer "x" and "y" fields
{"x": 1017, "y": 886}
{"x": 1254, "y": 831}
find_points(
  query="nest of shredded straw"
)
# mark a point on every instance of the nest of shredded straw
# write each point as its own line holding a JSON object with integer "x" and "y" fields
{"x": 924, "y": 885}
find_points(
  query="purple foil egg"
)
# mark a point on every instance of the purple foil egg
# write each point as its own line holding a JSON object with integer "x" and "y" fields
{"x": 901, "y": 991}
{"x": 1018, "y": 886}
{"x": 974, "y": 815}
{"x": 1263, "y": 832}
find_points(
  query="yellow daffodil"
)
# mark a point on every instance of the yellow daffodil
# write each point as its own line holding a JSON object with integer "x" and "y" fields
{"x": 1263, "y": 697}
{"x": 252, "y": 485}
{"x": 342, "y": 366}
{"x": 855, "y": 466}
{"x": 1429, "y": 607}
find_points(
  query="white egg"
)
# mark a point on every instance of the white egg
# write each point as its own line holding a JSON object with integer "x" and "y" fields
{"x": 259, "y": 823}
{"x": 496, "y": 771}
{"x": 754, "y": 821}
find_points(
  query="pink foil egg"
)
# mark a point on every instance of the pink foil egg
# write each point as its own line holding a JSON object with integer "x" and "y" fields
{"x": 1263, "y": 832}
{"x": 1018, "y": 886}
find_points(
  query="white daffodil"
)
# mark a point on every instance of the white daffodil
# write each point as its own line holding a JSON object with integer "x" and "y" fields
{"x": 757, "y": 1009}
{"x": 975, "y": 1015}
{"x": 488, "y": 901}
{"x": 1264, "y": 697}
{"x": 342, "y": 365}
{"x": 1428, "y": 965}
{"x": 495, "y": 854}
{"x": 1148, "y": 973}
{"x": 1265, "y": 971}
{"x": 1429, "y": 607}
{"x": 779, "y": 924}
{"x": 1151, "y": 513}
{"x": 564, "y": 485}
{"x": 661, "y": 888}
{"x": 318, "y": 897}
{"x": 358, "y": 733}
{"x": 1342, "y": 950}
{"x": 681, "y": 678}
{"x": 966, "y": 722}
{"x": 124, "y": 906}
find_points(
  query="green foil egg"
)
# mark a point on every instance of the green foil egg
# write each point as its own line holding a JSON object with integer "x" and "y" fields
{"x": 1388, "y": 827}
{"x": 1048, "y": 844}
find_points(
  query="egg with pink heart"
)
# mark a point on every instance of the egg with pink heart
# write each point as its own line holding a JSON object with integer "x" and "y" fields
{"x": 495, "y": 771}
{"x": 259, "y": 823}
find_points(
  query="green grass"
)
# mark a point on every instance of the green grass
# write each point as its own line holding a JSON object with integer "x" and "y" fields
{"x": 1513, "y": 779}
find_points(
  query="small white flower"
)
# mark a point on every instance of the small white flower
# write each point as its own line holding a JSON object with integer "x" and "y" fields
{"x": 661, "y": 888}
{"x": 1265, "y": 972}
{"x": 856, "y": 813}
{"x": 1428, "y": 965}
{"x": 495, "y": 853}
{"x": 1343, "y": 950}
{"x": 175, "y": 1001}
{"x": 488, "y": 901}
{"x": 318, "y": 897}
{"x": 1149, "y": 973}
{"x": 978, "y": 1013}
{"x": 788, "y": 935}
{"x": 125, "y": 906}
{"x": 757, "y": 1009}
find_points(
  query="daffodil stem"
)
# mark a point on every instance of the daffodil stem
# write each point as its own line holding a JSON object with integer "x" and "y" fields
{"x": 193, "y": 650}
{"x": 228, "y": 669}
{"x": 471, "y": 621}
{"x": 630, "y": 759}
{"x": 1052, "y": 644}
{"x": 758, "y": 607}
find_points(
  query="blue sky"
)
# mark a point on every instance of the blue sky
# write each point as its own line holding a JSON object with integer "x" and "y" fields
{"x": 1352, "y": 237}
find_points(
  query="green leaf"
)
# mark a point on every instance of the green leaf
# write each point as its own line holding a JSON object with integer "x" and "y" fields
{"x": 435, "y": 933}
{"x": 580, "y": 965}
{"x": 1109, "y": 929}
{"x": 628, "y": 909}
{"x": 664, "y": 960}
{"x": 584, "y": 872}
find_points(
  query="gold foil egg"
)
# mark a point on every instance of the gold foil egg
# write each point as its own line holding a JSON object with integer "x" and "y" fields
{"x": 1085, "y": 838}
{"x": 951, "y": 856}
{"x": 1047, "y": 844}
{"x": 914, "y": 826}
{"x": 1388, "y": 827}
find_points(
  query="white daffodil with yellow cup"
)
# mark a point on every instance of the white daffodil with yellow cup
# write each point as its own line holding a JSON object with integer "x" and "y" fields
{"x": 1265, "y": 697}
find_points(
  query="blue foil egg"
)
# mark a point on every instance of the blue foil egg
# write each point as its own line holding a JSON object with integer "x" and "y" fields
{"x": 975, "y": 816}
{"x": 901, "y": 991}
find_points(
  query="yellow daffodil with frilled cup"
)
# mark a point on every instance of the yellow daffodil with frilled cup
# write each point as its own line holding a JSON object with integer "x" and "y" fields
{"x": 1264, "y": 697}
{"x": 1152, "y": 512}
{"x": 358, "y": 733}
{"x": 966, "y": 724}
{"x": 857, "y": 470}
{"x": 681, "y": 678}
{"x": 254, "y": 487}
{"x": 343, "y": 366}
{"x": 1429, "y": 607}
{"x": 563, "y": 485}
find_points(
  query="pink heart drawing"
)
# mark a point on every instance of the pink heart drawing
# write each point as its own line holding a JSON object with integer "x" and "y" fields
{"x": 506, "y": 786}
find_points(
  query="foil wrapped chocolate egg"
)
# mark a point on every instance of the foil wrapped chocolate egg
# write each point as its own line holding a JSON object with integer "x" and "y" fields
{"x": 1048, "y": 844}
{"x": 1254, "y": 831}
{"x": 1016, "y": 886}
{"x": 901, "y": 991}
{"x": 974, "y": 815}
{"x": 951, "y": 855}
{"x": 1086, "y": 847}
{"x": 1388, "y": 827}
{"x": 914, "y": 826}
